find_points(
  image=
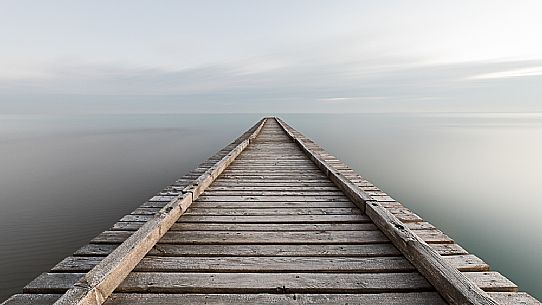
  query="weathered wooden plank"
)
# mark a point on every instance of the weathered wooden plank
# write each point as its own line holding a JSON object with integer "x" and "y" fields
{"x": 492, "y": 281}
{"x": 146, "y": 210}
{"x": 263, "y": 157}
{"x": 140, "y": 218}
{"x": 407, "y": 217}
{"x": 48, "y": 283}
{"x": 448, "y": 249}
{"x": 412, "y": 298}
{"x": 272, "y": 167}
{"x": 272, "y": 183}
{"x": 313, "y": 198}
{"x": 467, "y": 262}
{"x": 77, "y": 264}
{"x": 172, "y": 282}
{"x": 273, "y": 171}
{"x": 277, "y": 171}
{"x": 275, "y": 193}
{"x": 254, "y": 237}
{"x": 162, "y": 198}
{"x": 274, "y": 204}
{"x": 382, "y": 198}
{"x": 519, "y": 298}
{"x": 250, "y": 264}
{"x": 434, "y": 236}
{"x": 153, "y": 204}
{"x": 326, "y": 250}
{"x": 270, "y": 164}
{"x": 34, "y": 299}
{"x": 273, "y": 149}
{"x": 270, "y": 175}
{"x": 354, "y": 218}
{"x": 285, "y": 142}
{"x": 272, "y": 178}
{"x": 260, "y": 181}
{"x": 235, "y": 188}
{"x": 96, "y": 250}
{"x": 265, "y": 148}
{"x": 419, "y": 226}
{"x": 130, "y": 226}
{"x": 224, "y": 209}
{"x": 272, "y": 211}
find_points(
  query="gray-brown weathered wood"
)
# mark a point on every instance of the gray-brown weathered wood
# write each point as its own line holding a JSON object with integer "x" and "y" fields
{"x": 208, "y": 282}
{"x": 467, "y": 262}
{"x": 315, "y": 250}
{"x": 271, "y": 211}
{"x": 257, "y": 210}
{"x": 250, "y": 264}
{"x": 172, "y": 282}
{"x": 254, "y": 237}
{"x": 354, "y": 218}
{"x": 519, "y": 298}
{"x": 34, "y": 299}
{"x": 131, "y": 226}
{"x": 492, "y": 281}
{"x": 299, "y": 198}
{"x": 412, "y": 298}
{"x": 274, "y": 204}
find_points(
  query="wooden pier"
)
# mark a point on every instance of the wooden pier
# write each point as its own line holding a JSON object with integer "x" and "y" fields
{"x": 271, "y": 219}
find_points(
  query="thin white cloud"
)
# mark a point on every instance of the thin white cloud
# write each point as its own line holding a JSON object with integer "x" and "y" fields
{"x": 336, "y": 99}
{"x": 532, "y": 71}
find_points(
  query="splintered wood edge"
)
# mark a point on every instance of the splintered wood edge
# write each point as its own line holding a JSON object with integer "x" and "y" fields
{"x": 98, "y": 284}
{"x": 453, "y": 285}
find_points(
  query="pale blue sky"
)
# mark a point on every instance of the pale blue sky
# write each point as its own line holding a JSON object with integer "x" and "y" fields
{"x": 270, "y": 56}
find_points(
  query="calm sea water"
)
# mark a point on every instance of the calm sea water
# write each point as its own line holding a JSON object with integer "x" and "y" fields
{"x": 63, "y": 180}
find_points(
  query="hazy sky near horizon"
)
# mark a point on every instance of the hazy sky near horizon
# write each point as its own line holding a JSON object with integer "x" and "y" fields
{"x": 270, "y": 56}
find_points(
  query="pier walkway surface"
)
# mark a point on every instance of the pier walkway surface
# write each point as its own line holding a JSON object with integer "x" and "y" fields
{"x": 271, "y": 219}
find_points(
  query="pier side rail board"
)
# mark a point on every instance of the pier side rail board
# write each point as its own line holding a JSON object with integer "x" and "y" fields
{"x": 95, "y": 286}
{"x": 454, "y": 285}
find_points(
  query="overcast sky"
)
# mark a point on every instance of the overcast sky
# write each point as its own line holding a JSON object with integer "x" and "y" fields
{"x": 270, "y": 56}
